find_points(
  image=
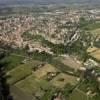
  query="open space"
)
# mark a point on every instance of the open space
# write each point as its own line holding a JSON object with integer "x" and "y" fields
{"x": 41, "y": 72}
{"x": 77, "y": 95}
{"x": 12, "y": 61}
{"x": 31, "y": 85}
{"x": 71, "y": 62}
{"x": 62, "y": 79}
{"x": 94, "y": 52}
{"x": 21, "y": 72}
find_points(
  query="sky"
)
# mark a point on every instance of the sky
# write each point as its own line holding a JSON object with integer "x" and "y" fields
{"x": 44, "y": 1}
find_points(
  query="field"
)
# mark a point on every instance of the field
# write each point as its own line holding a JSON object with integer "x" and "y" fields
{"x": 62, "y": 79}
{"x": 25, "y": 81}
{"x": 41, "y": 72}
{"x": 96, "y": 31}
{"x": 21, "y": 72}
{"x": 31, "y": 84}
{"x": 94, "y": 52}
{"x": 12, "y": 61}
{"x": 71, "y": 62}
{"x": 77, "y": 95}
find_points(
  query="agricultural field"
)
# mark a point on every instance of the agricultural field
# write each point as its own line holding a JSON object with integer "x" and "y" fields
{"x": 62, "y": 79}
{"x": 71, "y": 62}
{"x": 24, "y": 80}
{"x": 89, "y": 87}
{"x": 31, "y": 84}
{"x": 21, "y": 72}
{"x": 77, "y": 95}
{"x": 41, "y": 72}
{"x": 94, "y": 52}
{"x": 96, "y": 31}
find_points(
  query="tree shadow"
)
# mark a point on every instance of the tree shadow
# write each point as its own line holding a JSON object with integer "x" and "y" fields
{"x": 4, "y": 87}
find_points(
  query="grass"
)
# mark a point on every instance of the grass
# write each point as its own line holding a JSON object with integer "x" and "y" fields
{"x": 94, "y": 52}
{"x": 95, "y": 98}
{"x": 62, "y": 79}
{"x": 90, "y": 85}
{"x": 20, "y": 72}
{"x": 48, "y": 95}
{"x": 44, "y": 70}
{"x": 56, "y": 48}
{"x": 76, "y": 95}
{"x": 12, "y": 61}
{"x": 93, "y": 49}
{"x": 88, "y": 25}
{"x": 92, "y": 26}
{"x": 95, "y": 31}
{"x": 71, "y": 62}
{"x": 31, "y": 84}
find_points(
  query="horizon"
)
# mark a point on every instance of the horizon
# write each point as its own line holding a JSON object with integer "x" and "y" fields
{"x": 40, "y": 2}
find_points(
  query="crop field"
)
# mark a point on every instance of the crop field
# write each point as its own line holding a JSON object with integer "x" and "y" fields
{"x": 62, "y": 79}
{"x": 93, "y": 49}
{"x": 20, "y": 72}
{"x": 77, "y": 95}
{"x": 19, "y": 95}
{"x": 31, "y": 84}
{"x": 96, "y": 31}
{"x": 92, "y": 26}
{"x": 71, "y": 62}
{"x": 94, "y": 52}
{"x": 41, "y": 72}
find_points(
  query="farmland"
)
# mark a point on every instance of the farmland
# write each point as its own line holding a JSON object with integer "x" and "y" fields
{"x": 29, "y": 77}
{"x": 20, "y": 72}
{"x": 62, "y": 79}
{"x": 44, "y": 71}
{"x": 26, "y": 80}
{"x": 94, "y": 52}
{"x": 52, "y": 54}
{"x": 76, "y": 95}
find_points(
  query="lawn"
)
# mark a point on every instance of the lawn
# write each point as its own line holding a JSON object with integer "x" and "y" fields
{"x": 62, "y": 79}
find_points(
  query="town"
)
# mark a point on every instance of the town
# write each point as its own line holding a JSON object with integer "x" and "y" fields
{"x": 51, "y": 55}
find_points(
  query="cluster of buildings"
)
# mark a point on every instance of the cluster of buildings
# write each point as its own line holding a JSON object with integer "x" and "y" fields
{"x": 11, "y": 29}
{"x": 37, "y": 46}
{"x": 58, "y": 27}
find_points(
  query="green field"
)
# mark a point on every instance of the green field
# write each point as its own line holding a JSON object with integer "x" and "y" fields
{"x": 31, "y": 84}
{"x": 62, "y": 79}
{"x": 94, "y": 52}
{"x": 43, "y": 71}
{"x": 76, "y": 95}
{"x": 21, "y": 72}
{"x": 12, "y": 61}
{"x": 96, "y": 31}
